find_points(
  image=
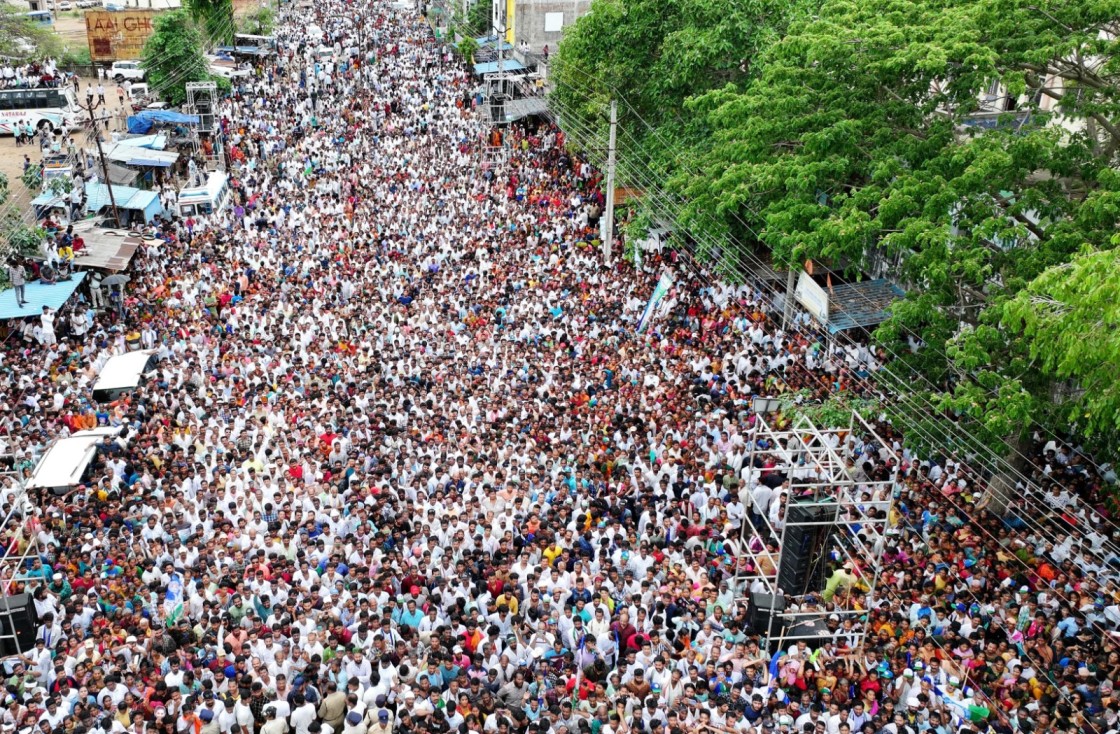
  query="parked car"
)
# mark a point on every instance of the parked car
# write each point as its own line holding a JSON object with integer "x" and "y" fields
{"x": 88, "y": 4}
{"x": 127, "y": 70}
{"x": 66, "y": 6}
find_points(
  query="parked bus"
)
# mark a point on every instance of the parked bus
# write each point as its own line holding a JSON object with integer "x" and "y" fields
{"x": 53, "y": 106}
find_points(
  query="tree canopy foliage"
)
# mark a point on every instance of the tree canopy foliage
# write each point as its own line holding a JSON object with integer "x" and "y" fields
{"x": 965, "y": 146}
{"x": 656, "y": 55}
{"x": 216, "y": 17}
{"x": 260, "y": 21}
{"x": 173, "y": 55}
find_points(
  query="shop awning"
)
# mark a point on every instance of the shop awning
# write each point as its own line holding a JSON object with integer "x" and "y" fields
{"x": 121, "y": 175}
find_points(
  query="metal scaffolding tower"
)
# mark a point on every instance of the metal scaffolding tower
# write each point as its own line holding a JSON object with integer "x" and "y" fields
{"x": 13, "y": 576}
{"x": 829, "y": 521}
{"x": 202, "y": 100}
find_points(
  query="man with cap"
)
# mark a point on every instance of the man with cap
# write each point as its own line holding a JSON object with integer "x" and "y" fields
{"x": 209, "y": 722}
{"x": 355, "y": 724}
{"x": 383, "y": 723}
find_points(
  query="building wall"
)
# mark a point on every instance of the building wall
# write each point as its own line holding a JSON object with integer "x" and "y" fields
{"x": 539, "y": 23}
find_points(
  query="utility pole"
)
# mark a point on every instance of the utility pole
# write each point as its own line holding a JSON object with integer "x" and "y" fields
{"x": 607, "y": 232}
{"x": 501, "y": 96}
{"x": 101, "y": 153}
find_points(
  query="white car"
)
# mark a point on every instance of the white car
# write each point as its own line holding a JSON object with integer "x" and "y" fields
{"x": 66, "y": 6}
{"x": 127, "y": 70}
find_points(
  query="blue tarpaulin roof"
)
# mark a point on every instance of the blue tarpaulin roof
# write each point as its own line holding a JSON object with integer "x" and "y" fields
{"x": 142, "y": 122}
{"x": 97, "y": 196}
{"x": 37, "y": 295}
{"x": 861, "y": 304}
{"x": 492, "y": 66}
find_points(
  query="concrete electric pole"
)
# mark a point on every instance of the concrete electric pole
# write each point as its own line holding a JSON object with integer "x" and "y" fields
{"x": 101, "y": 153}
{"x": 607, "y": 232}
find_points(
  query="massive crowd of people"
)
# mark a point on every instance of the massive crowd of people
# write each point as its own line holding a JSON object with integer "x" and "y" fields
{"x": 408, "y": 465}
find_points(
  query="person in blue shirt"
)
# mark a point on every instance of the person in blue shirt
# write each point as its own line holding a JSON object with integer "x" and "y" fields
{"x": 409, "y": 616}
{"x": 1069, "y": 627}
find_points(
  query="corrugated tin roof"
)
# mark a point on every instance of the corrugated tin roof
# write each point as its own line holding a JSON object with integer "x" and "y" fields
{"x": 860, "y": 304}
{"x": 97, "y": 196}
{"x": 515, "y": 109}
{"x": 134, "y": 155}
{"x": 491, "y": 67}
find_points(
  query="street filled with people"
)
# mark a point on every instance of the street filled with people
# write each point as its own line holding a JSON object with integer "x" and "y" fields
{"x": 408, "y": 464}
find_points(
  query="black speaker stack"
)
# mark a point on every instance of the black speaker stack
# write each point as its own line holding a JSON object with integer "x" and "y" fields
{"x": 17, "y": 614}
{"x": 801, "y": 544}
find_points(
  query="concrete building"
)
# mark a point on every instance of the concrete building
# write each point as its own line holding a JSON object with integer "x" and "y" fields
{"x": 537, "y": 23}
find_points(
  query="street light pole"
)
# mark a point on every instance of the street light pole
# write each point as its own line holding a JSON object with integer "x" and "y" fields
{"x": 101, "y": 153}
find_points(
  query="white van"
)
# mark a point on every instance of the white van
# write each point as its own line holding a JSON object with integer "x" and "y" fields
{"x": 122, "y": 374}
{"x": 208, "y": 199}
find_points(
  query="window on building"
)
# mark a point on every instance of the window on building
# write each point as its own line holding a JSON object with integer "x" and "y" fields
{"x": 553, "y": 22}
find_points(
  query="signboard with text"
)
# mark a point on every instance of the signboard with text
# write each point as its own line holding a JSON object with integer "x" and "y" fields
{"x": 118, "y": 35}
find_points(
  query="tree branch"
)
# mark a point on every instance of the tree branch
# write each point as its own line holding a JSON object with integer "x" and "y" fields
{"x": 1033, "y": 228}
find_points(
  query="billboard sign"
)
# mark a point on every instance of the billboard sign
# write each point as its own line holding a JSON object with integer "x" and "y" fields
{"x": 118, "y": 35}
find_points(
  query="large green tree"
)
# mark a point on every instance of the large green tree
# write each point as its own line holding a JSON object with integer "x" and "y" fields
{"x": 1054, "y": 313}
{"x": 260, "y": 21}
{"x": 173, "y": 55}
{"x": 864, "y": 136}
{"x": 655, "y": 55}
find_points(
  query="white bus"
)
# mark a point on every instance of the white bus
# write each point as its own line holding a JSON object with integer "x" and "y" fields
{"x": 210, "y": 198}
{"x": 42, "y": 107}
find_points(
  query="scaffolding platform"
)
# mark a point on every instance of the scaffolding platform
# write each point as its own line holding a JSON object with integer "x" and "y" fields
{"x": 822, "y": 556}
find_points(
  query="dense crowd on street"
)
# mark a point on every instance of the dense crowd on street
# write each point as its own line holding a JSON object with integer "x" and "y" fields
{"x": 408, "y": 465}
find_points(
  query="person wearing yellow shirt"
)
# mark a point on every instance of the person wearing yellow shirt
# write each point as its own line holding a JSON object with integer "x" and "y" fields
{"x": 551, "y": 553}
{"x": 509, "y": 600}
